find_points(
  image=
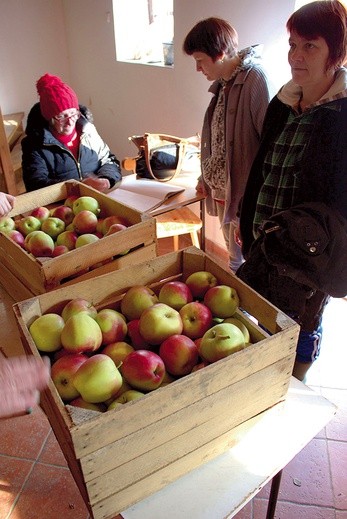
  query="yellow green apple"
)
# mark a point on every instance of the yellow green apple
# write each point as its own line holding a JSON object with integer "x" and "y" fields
{"x": 81, "y": 333}
{"x": 136, "y": 300}
{"x": 220, "y": 341}
{"x": 199, "y": 282}
{"x": 97, "y": 379}
{"x": 158, "y": 322}
{"x": 46, "y": 332}
{"x": 222, "y": 300}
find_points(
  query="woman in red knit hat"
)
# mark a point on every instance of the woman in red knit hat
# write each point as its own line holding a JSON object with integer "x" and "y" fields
{"x": 62, "y": 142}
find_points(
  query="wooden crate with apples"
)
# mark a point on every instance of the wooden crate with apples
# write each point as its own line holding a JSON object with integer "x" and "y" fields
{"x": 121, "y": 456}
{"x": 24, "y": 276}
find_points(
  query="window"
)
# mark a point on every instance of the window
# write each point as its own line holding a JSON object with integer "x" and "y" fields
{"x": 144, "y": 31}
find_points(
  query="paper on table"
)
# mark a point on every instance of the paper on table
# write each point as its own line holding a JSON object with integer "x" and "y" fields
{"x": 143, "y": 194}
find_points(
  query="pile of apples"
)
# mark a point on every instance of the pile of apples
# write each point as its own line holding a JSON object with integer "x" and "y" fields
{"x": 52, "y": 232}
{"x": 102, "y": 359}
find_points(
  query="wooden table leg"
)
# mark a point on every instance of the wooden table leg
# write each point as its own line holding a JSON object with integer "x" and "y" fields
{"x": 275, "y": 486}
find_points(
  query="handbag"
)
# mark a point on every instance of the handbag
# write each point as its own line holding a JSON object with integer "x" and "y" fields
{"x": 162, "y": 157}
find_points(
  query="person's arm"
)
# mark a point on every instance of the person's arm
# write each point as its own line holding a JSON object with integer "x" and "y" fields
{"x": 21, "y": 380}
{"x": 6, "y": 203}
{"x": 109, "y": 165}
{"x": 35, "y": 170}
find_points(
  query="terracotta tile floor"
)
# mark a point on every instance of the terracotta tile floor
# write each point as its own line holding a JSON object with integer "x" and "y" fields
{"x": 35, "y": 482}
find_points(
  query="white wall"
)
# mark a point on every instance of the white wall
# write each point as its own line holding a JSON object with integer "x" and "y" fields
{"x": 75, "y": 40}
{"x": 32, "y": 42}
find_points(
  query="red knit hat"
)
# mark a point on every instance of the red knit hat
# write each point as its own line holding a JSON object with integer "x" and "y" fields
{"x": 55, "y": 96}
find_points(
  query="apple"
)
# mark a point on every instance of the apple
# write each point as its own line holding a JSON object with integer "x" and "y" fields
{"x": 221, "y": 341}
{"x": 53, "y": 226}
{"x": 179, "y": 354}
{"x": 85, "y": 222}
{"x": 7, "y": 224}
{"x": 17, "y": 237}
{"x": 201, "y": 365}
{"x": 70, "y": 200}
{"x": 81, "y": 333}
{"x": 222, "y": 300}
{"x": 41, "y": 213}
{"x": 237, "y": 322}
{"x": 79, "y": 402}
{"x": 136, "y": 300}
{"x": 27, "y": 224}
{"x": 62, "y": 373}
{"x": 46, "y": 332}
{"x": 167, "y": 379}
{"x": 136, "y": 339}
{"x": 97, "y": 379}
{"x": 116, "y": 227}
{"x": 77, "y": 305}
{"x": 112, "y": 324}
{"x": 59, "y": 250}
{"x": 158, "y": 322}
{"x": 67, "y": 238}
{"x": 124, "y": 398}
{"x": 39, "y": 244}
{"x": 63, "y": 212}
{"x": 196, "y": 318}
{"x": 111, "y": 220}
{"x": 118, "y": 351}
{"x": 143, "y": 370}
{"x": 86, "y": 239}
{"x": 86, "y": 203}
{"x": 199, "y": 282}
{"x": 175, "y": 294}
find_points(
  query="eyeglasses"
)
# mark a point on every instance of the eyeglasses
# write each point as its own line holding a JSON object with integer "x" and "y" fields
{"x": 64, "y": 118}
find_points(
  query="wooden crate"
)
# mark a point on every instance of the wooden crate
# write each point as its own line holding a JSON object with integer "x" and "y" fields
{"x": 120, "y": 457}
{"x": 24, "y": 276}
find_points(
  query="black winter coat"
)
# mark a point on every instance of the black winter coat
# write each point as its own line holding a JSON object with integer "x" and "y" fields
{"x": 46, "y": 161}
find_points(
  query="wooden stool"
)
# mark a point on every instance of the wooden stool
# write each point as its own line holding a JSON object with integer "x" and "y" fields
{"x": 176, "y": 222}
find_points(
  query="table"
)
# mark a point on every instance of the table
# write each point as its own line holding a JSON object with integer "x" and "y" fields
{"x": 266, "y": 444}
{"x": 188, "y": 180}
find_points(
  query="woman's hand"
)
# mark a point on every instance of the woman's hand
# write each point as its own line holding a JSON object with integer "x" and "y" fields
{"x": 101, "y": 184}
{"x": 21, "y": 380}
{"x": 6, "y": 203}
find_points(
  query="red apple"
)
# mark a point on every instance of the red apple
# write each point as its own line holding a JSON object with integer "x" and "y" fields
{"x": 143, "y": 370}
{"x": 67, "y": 238}
{"x": 79, "y": 402}
{"x": 62, "y": 373}
{"x": 175, "y": 294}
{"x": 63, "y": 212}
{"x": 70, "y": 200}
{"x": 196, "y": 318}
{"x": 199, "y": 282}
{"x": 59, "y": 250}
{"x": 112, "y": 324}
{"x": 136, "y": 339}
{"x": 41, "y": 213}
{"x": 136, "y": 300}
{"x": 111, "y": 220}
{"x": 39, "y": 244}
{"x": 158, "y": 322}
{"x": 85, "y": 222}
{"x": 17, "y": 237}
{"x": 222, "y": 300}
{"x": 77, "y": 305}
{"x": 179, "y": 354}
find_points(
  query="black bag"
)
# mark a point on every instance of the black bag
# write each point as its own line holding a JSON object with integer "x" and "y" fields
{"x": 161, "y": 157}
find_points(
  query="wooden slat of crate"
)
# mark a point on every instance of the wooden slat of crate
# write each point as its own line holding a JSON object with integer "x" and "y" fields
{"x": 100, "y": 449}
{"x": 193, "y": 444}
{"x": 42, "y": 275}
{"x": 190, "y": 389}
